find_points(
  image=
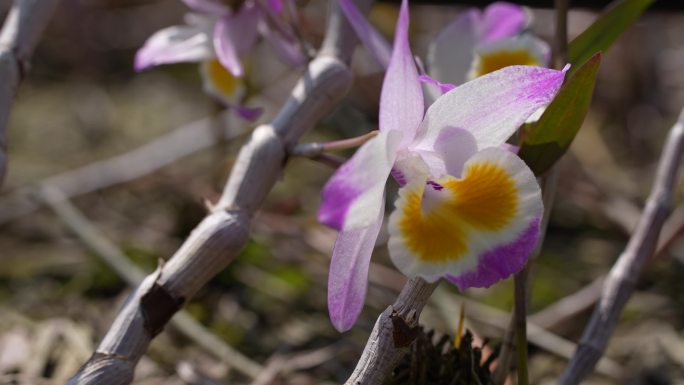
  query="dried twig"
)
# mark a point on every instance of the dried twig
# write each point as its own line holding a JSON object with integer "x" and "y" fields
{"x": 282, "y": 364}
{"x": 20, "y": 34}
{"x": 583, "y": 299}
{"x": 133, "y": 275}
{"x": 622, "y": 278}
{"x": 218, "y": 239}
{"x": 150, "y": 157}
{"x": 393, "y": 333}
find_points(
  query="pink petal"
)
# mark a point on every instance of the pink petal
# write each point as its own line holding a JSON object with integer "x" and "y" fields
{"x": 352, "y": 198}
{"x": 491, "y": 107}
{"x": 401, "y": 100}
{"x": 451, "y": 54}
{"x": 374, "y": 42}
{"x": 500, "y": 262}
{"x": 234, "y": 36}
{"x": 174, "y": 45}
{"x": 348, "y": 278}
{"x": 208, "y": 6}
{"x": 502, "y": 20}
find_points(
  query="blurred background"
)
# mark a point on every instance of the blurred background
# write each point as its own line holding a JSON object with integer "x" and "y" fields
{"x": 82, "y": 103}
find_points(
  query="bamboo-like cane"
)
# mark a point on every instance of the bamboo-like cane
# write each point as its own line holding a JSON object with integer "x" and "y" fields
{"x": 218, "y": 239}
{"x": 621, "y": 280}
{"x": 23, "y": 27}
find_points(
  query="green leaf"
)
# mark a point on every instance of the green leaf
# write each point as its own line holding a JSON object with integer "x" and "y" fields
{"x": 619, "y": 15}
{"x": 548, "y": 139}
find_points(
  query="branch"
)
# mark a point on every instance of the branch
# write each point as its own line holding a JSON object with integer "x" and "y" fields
{"x": 393, "y": 333}
{"x": 583, "y": 299}
{"x": 23, "y": 27}
{"x": 218, "y": 239}
{"x": 148, "y": 158}
{"x": 622, "y": 278}
{"x": 132, "y": 275}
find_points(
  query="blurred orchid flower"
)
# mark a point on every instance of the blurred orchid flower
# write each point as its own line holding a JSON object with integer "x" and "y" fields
{"x": 474, "y": 44}
{"x": 467, "y": 209}
{"x": 219, "y": 37}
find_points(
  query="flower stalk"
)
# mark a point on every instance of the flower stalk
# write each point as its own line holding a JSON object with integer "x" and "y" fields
{"x": 314, "y": 150}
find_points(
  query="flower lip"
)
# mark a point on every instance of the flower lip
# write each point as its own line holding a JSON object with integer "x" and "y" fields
{"x": 446, "y": 227}
{"x": 500, "y": 262}
{"x": 433, "y": 197}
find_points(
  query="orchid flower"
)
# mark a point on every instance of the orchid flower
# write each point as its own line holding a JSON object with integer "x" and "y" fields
{"x": 474, "y": 44}
{"x": 219, "y": 38}
{"x": 468, "y": 210}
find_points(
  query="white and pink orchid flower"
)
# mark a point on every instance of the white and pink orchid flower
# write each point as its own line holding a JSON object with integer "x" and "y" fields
{"x": 468, "y": 210}
{"x": 474, "y": 44}
{"x": 220, "y": 38}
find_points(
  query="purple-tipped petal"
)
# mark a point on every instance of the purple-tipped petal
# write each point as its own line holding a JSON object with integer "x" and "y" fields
{"x": 348, "y": 278}
{"x": 493, "y": 106}
{"x": 450, "y": 55}
{"x": 372, "y": 40}
{"x": 401, "y": 100}
{"x": 352, "y": 198}
{"x": 234, "y": 36}
{"x": 501, "y": 262}
{"x": 212, "y": 7}
{"x": 501, "y": 20}
{"x": 174, "y": 44}
{"x": 443, "y": 87}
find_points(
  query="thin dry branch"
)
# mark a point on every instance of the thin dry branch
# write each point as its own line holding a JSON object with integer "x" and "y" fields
{"x": 102, "y": 247}
{"x": 218, "y": 239}
{"x": 393, "y": 333}
{"x": 582, "y": 300}
{"x": 622, "y": 278}
{"x": 148, "y": 158}
{"x": 23, "y": 27}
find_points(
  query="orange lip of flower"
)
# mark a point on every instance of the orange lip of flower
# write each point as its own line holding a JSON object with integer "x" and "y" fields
{"x": 438, "y": 218}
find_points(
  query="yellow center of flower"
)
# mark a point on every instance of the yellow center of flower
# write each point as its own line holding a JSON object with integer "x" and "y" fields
{"x": 222, "y": 80}
{"x": 490, "y": 62}
{"x": 436, "y": 222}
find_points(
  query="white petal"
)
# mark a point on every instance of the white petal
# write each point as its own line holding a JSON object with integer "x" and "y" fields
{"x": 491, "y": 107}
{"x": 179, "y": 43}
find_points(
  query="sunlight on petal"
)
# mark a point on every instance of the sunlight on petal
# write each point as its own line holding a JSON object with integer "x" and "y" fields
{"x": 446, "y": 226}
